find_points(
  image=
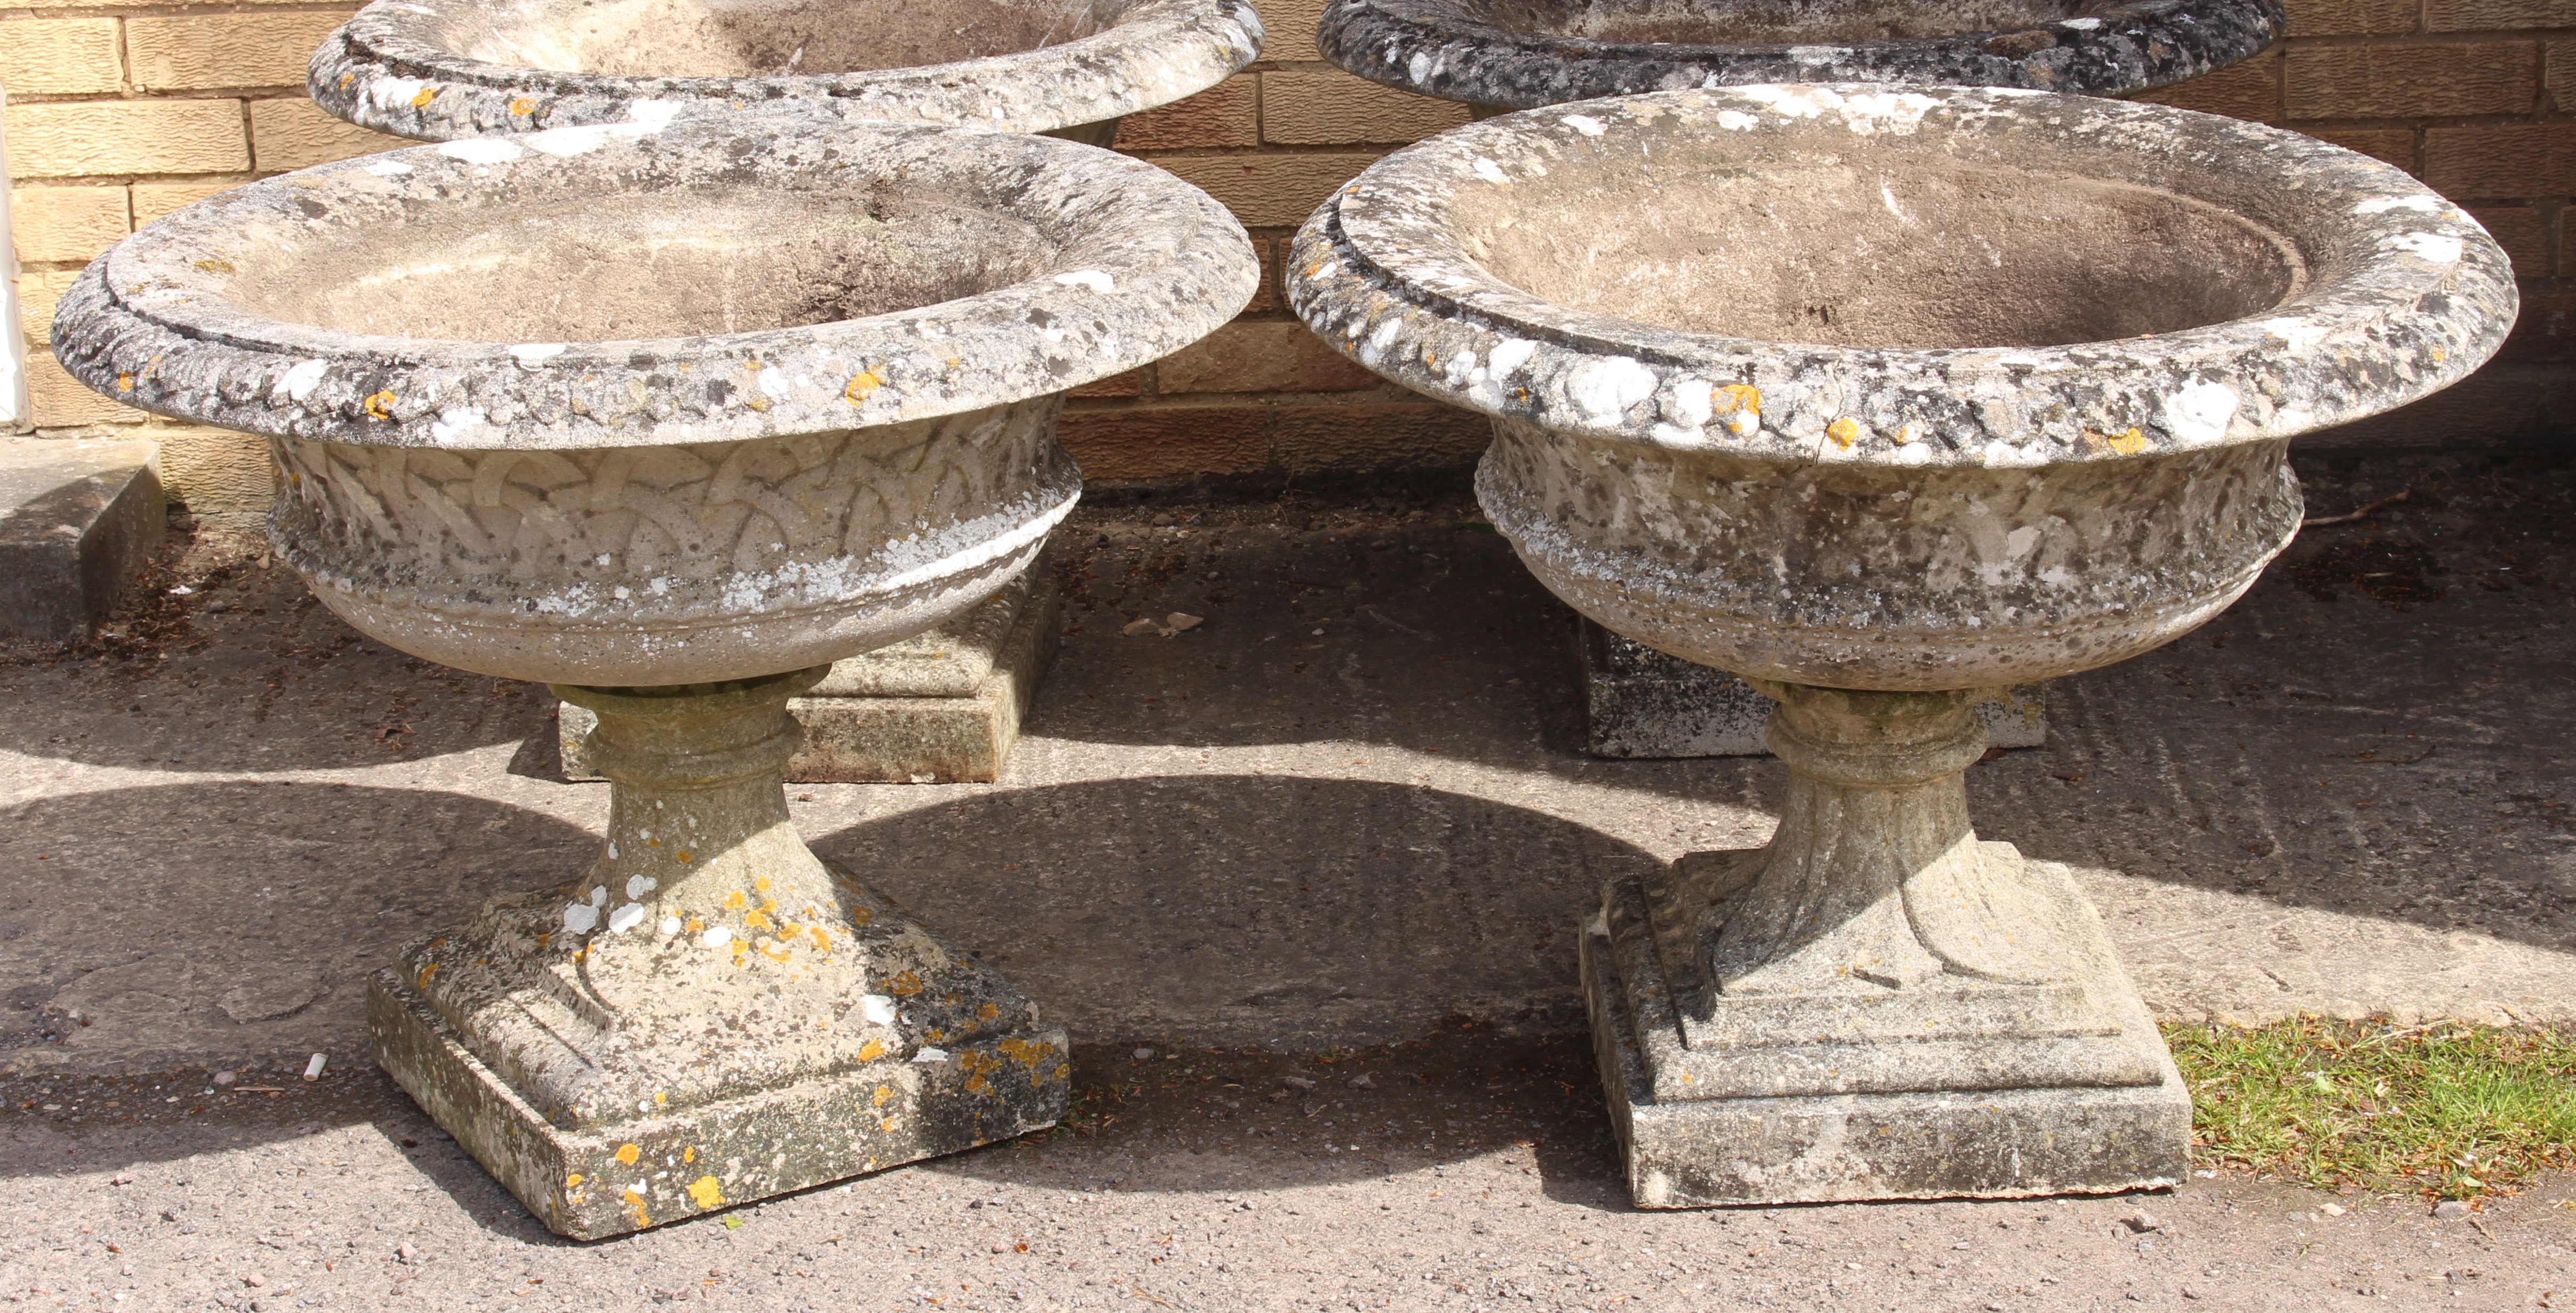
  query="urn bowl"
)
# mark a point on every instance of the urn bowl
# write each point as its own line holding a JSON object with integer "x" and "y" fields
{"x": 624, "y": 406}
{"x": 1521, "y": 53}
{"x": 1913, "y": 389}
{"x": 464, "y": 68}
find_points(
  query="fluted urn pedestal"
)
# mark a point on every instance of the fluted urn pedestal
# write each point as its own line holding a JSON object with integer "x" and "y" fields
{"x": 1885, "y": 399}
{"x": 672, "y": 420}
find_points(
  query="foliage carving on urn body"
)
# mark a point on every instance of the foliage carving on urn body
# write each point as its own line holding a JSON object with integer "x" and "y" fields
{"x": 584, "y": 526}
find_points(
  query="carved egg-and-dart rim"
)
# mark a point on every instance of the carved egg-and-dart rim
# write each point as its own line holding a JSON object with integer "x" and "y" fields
{"x": 384, "y": 70}
{"x": 1149, "y": 264}
{"x": 2402, "y": 294}
{"x": 1429, "y": 47}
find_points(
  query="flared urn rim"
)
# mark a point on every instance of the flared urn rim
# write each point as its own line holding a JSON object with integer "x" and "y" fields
{"x": 1137, "y": 265}
{"x": 2392, "y": 292}
{"x": 386, "y": 69}
{"x": 1447, "y": 49}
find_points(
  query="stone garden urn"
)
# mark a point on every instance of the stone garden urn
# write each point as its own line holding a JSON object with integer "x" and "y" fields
{"x": 1885, "y": 399}
{"x": 672, "y": 420}
{"x": 466, "y": 68}
{"x": 1514, "y": 54}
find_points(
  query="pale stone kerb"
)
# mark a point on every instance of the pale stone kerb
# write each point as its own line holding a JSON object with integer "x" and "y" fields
{"x": 1555, "y": 51}
{"x": 2390, "y": 292}
{"x": 1108, "y": 263}
{"x": 463, "y": 68}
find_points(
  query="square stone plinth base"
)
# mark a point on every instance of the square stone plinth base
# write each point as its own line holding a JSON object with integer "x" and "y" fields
{"x": 608, "y": 1180}
{"x": 1639, "y": 702}
{"x": 1931, "y": 1144}
{"x": 78, "y": 516}
{"x": 941, "y": 708}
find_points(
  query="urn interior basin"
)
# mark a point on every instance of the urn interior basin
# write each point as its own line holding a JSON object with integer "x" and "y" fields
{"x": 622, "y": 406}
{"x": 468, "y": 67}
{"x": 1904, "y": 390}
{"x": 1519, "y": 53}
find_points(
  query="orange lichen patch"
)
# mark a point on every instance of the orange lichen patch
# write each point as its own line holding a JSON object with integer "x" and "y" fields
{"x": 822, "y": 942}
{"x": 124, "y": 382}
{"x": 1737, "y": 396}
{"x": 660, "y": 1098}
{"x": 380, "y": 406}
{"x": 1843, "y": 431}
{"x": 424, "y": 96}
{"x": 627, "y": 1154}
{"x": 756, "y": 403}
{"x": 1063, "y": 1070}
{"x": 756, "y": 921}
{"x": 707, "y": 1191}
{"x": 862, "y": 384}
{"x": 522, "y": 107}
{"x": 1027, "y": 1053}
{"x": 635, "y": 1208}
{"x": 977, "y": 1065}
{"x": 573, "y": 1182}
{"x": 215, "y": 265}
{"x": 884, "y": 1093}
{"x": 860, "y": 916}
{"x": 683, "y": 856}
{"x": 2127, "y": 444}
{"x": 695, "y": 925}
{"x": 761, "y": 883}
{"x": 905, "y": 983}
{"x": 426, "y": 972}
{"x": 781, "y": 953}
{"x": 734, "y": 899}
{"x": 348, "y": 80}
{"x": 988, "y": 1011}
{"x": 936, "y": 1034}
{"x": 870, "y": 1052}
{"x": 689, "y": 1155}
{"x": 769, "y": 904}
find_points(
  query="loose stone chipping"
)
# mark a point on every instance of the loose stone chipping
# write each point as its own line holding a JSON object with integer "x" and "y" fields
{"x": 655, "y": 415}
{"x": 1517, "y": 54}
{"x": 1886, "y": 399}
{"x": 467, "y": 68}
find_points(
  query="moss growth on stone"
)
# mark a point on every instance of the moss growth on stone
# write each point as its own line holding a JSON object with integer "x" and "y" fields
{"x": 2446, "y": 1108}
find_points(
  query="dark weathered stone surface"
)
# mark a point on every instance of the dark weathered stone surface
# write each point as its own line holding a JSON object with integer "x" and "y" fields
{"x": 465, "y": 68}
{"x": 77, "y": 515}
{"x": 942, "y": 707}
{"x": 1639, "y": 702}
{"x": 1546, "y": 52}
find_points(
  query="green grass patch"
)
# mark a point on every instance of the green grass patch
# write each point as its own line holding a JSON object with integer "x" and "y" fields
{"x": 2448, "y": 1109}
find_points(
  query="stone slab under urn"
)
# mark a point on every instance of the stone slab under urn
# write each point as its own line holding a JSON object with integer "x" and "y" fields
{"x": 1640, "y": 703}
{"x": 467, "y": 68}
{"x": 1499, "y": 55}
{"x": 940, "y": 707}
{"x": 673, "y": 419}
{"x": 1883, "y": 399}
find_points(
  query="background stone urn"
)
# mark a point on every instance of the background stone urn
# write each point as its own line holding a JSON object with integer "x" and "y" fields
{"x": 1883, "y": 399}
{"x": 673, "y": 420}
{"x": 1513, "y": 54}
{"x": 477, "y": 67}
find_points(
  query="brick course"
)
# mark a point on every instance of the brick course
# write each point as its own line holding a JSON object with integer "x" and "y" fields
{"x": 123, "y": 110}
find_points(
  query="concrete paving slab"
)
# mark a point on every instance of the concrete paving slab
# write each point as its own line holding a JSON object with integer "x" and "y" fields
{"x": 77, "y": 515}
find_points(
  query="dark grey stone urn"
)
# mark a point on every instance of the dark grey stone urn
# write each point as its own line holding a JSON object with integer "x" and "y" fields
{"x": 1884, "y": 399}
{"x": 1515, "y": 54}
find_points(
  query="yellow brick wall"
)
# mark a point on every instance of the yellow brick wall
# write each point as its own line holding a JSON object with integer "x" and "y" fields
{"x": 120, "y": 113}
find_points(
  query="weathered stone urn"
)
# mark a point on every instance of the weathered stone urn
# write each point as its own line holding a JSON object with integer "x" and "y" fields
{"x": 1886, "y": 399}
{"x": 1514, "y": 54}
{"x": 672, "y": 420}
{"x": 464, "y": 68}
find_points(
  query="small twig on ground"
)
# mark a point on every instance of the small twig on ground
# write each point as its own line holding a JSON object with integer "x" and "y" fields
{"x": 2316, "y": 521}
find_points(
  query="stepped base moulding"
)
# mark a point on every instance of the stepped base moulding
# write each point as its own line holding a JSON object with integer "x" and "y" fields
{"x": 470, "y": 68}
{"x": 1639, "y": 703}
{"x": 1887, "y": 400}
{"x": 941, "y": 707}
{"x": 675, "y": 420}
{"x": 1499, "y": 56}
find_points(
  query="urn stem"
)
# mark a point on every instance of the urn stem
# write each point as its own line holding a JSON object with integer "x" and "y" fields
{"x": 1874, "y": 879}
{"x": 697, "y": 810}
